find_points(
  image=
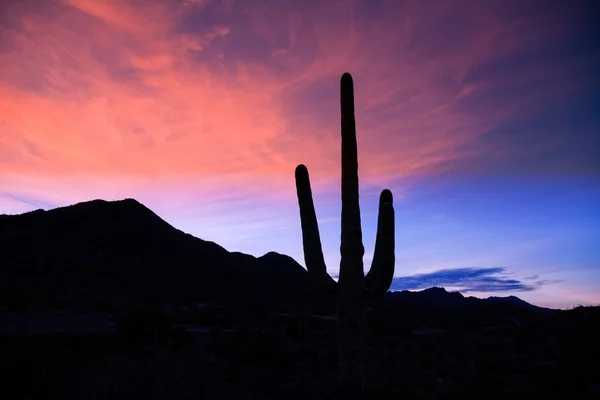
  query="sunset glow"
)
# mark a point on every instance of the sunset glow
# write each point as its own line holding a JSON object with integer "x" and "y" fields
{"x": 480, "y": 116}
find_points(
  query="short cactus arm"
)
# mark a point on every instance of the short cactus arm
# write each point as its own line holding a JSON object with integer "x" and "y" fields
{"x": 311, "y": 240}
{"x": 379, "y": 278}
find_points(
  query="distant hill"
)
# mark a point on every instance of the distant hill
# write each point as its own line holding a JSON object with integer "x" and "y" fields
{"x": 439, "y": 297}
{"x": 102, "y": 254}
{"x": 438, "y": 308}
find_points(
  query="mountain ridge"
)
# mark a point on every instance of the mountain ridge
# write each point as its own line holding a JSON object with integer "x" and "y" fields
{"x": 124, "y": 246}
{"x": 127, "y": 247}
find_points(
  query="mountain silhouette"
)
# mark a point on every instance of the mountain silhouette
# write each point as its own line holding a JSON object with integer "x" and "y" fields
{"x": 102, "y": 254}
{"x": 440, "y": 297}
{"x": 109, "y": 255}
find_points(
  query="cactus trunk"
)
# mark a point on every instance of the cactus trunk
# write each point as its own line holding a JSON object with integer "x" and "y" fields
{"x": 351, "y": 283}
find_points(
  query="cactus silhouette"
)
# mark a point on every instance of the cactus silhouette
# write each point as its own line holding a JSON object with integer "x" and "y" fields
{"x": 353, "y": 287}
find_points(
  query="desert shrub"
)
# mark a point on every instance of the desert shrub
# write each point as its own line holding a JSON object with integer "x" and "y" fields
{"x": 17, "y": 302}
{"x": 181, "y": 338}
{"x": 210, "y": 315}
{"x": 266, "y": 351}
{"x": 144, "y": 326}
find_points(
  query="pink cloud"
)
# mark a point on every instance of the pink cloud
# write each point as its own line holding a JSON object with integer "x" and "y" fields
{"x": 114, "y": 90}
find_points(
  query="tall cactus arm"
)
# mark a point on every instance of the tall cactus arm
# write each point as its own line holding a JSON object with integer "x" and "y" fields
{"x": 311, "y": 240}
{"x": 352, "y": 249}
{"x": 379, "y": 278}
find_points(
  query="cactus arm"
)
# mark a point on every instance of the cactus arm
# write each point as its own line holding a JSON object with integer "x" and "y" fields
{"x": 379, "y": 278}
{"x": 311, "y": 240}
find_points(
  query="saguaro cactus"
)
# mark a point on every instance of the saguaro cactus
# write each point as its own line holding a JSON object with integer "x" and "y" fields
{"x": 353, "y": 287}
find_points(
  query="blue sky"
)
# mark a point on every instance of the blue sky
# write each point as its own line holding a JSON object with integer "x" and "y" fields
{"x": 481, "y": 117}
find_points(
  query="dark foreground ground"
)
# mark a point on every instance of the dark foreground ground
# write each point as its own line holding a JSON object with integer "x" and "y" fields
{"x": 260, "y": 356}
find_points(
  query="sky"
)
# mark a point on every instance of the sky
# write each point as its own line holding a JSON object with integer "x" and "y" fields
{"x": 481, "y": 116}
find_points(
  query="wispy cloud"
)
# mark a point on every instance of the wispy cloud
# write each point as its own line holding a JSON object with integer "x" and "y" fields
{"x": 204, "y": 88}
{"x": 480, "y": 280}
{"x": 11, "y": 204}
{"x": 201, "y": 109}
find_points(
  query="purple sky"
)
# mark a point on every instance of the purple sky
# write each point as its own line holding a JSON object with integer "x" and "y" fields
{"x": 481, "y": 116}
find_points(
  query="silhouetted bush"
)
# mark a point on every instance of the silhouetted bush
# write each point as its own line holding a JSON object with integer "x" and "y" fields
{"x": 180, "y": 338}
{"x": 144, "y": 326}
{"x": 211, "y": 315}
{"x": 17, "y": 302}
{"x": 265, "y": 350}
{"x": 294, "y": 330}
